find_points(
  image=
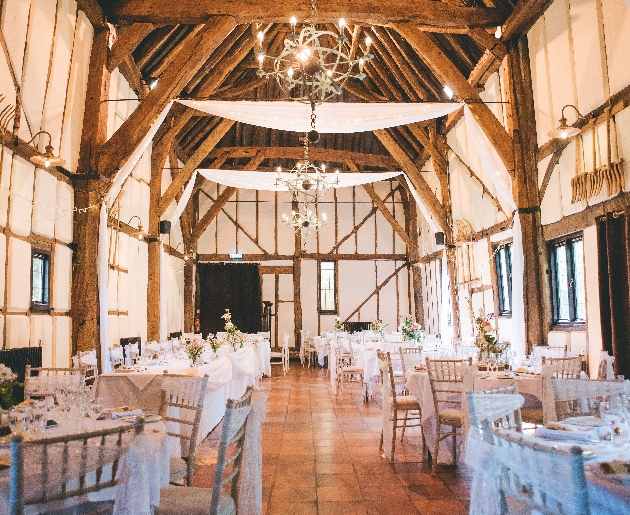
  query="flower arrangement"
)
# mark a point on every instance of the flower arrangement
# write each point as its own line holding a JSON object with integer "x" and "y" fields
{"x": 486, "y": 340}
{"x": 411, "y": 330}
{"x": 338, "y": 324}
{"x": 7, "y": 381}
{"x": 377, "y": 325}
{"x": 234, "y": 336}
{"x": 194, "y": 349}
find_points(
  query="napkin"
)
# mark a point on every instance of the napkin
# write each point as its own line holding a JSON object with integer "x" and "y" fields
{"x": 419, "y": 368}
{"x": 561, "y": 432}
{"x": 126, "y": 412}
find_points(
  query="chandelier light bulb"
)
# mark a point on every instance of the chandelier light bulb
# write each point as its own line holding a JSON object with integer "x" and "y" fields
{"x": 324, "y": 216}
{"x": 261, "y": 36}
{"x": 368, "y": 42}
{"x": 47, "y": 163}
{"x": 361, "y": 63}
{"x": 329, "y": 73}
{"x": 293, "y": 22}
{"x": 342, "y": 23}
{"x": 324, "y": 168}
{"x": 290, "y": 72}
{"x": 261, "y": 58}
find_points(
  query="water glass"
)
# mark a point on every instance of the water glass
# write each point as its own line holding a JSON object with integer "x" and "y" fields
{"x": 39, "y": 418}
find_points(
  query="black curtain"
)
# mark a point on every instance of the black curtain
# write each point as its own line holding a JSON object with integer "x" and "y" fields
{"x": 613, "y": 247}
{"x": 233, "y": 286}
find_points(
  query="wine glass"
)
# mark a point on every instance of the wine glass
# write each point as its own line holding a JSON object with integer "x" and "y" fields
{"x": 39, "y": 418}
{"x": 97, "y": 407}
{"x": 609, "y": 415}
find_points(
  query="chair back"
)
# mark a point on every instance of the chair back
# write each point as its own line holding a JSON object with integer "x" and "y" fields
{"x": 387, "y": 371}
{"x": 564, "y": 368}
{"x": 466, "y": 351}
{"x": 500, "y": 406}
{"x": 570, "y": 398}
{"x": 540, "y": 351}
{"x": 549, "y": 479}
{"x": 228, "y": 468}
{"x": 446, "y": 377}
{"x": 53, "y": 469}
{"x": 410, "y": 357}
{"x": 181, "y": 410}
{"x": 40, "y": 382}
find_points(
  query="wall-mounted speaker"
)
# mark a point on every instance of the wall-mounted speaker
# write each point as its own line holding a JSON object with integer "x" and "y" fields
{"x": 439, "y": 238}
{"x": 165, "y": 226}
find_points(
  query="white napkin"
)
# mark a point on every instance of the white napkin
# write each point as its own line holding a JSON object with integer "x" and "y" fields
{"x": 560, "y": 435}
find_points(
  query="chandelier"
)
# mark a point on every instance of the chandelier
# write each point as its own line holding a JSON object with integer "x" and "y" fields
{"x": 314, "y": 64}
{"x": 304, "y": 220}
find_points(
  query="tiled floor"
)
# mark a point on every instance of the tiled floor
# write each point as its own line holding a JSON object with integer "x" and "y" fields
{"x": 321, "y": 456}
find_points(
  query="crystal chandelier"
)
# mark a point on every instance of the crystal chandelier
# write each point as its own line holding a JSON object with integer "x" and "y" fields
{"x": 314, "y": 64}
{"x": 304, "y": 220}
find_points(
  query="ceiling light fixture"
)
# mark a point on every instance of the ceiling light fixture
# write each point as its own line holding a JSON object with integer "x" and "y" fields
{"x": 304, "y": 220}
{"x": 565, "y": 131}
{"x": 48, "y": 158}
{"x": 309, "y": 68}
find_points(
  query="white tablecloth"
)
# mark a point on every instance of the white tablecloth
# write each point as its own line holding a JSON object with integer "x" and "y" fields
{"x": 418, "y": 384}
{"x": 229, "y": 377}
{"x": 146, "y": 468}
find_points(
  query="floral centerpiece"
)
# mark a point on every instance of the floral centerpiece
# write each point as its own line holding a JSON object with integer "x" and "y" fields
{"x": 234, "y": 336}
{"x": 7, "y": 381}
{"x": 215, "y": 343}
{"x": 338, "y": 324}
{"x": 486, "y": 339}
{"x": 411, "y": 330}
{"x": 194, "y": 349}
{"x": 377, "y": 326}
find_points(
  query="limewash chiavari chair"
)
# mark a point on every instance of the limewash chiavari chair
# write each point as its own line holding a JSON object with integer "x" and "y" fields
{"x": 201, "y": 501}
{"x": 181, "y": 408}
{"x": 545, "y": 351}
{"x": 500, "y": 406}
{"x": 399, "y": 404}
{"x": 307, "y": 349}
{"x": 42, "y": 382}
{"x": 55, "y": 469}
{"x": 565, "y": 368}
{"x": 345, "y": 369}
{"x": 446, "y": 377}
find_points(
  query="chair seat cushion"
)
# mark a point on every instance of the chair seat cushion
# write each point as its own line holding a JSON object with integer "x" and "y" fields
{"x": 407, "y": 402}
{"x": 352, "y": 370}
{"x": 86, "y": 508}
{"x": 451, "y": 416}
{"x": 178, "y": 469}
{"x": 181, "y": 500}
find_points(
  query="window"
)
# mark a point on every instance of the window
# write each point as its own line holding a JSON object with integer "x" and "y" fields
{"x": 503, "y": 259}
{"x": 328, "y": 287}
{"x": 40, "y": 280}
{"x": 567, "y": 281}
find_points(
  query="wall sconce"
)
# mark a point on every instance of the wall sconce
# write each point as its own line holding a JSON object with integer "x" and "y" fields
{"x": 187, "y": 255}
{"x": 565, "y": 131}
{"x": 47, "y": 159}
{"x": 140, "y": 234}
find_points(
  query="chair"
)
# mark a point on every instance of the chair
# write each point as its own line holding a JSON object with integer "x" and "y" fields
{"x": 548, "y": 479}
{"x": 117, "y": 356}
{"x": 181, "y": 408}
{"x": 606, "y": 371}
{"x": 500, "y": 406}
{"x": 447, "y": 378}
{"x": 394, "y": 404}
{"x": 86, "y": 361}
{"x": 565, "y": 368}
{"x": 345, "y": 368}
{"x": 410, "y": 357}
{"x": 466, "y": 351}
{"x": 199, "y": 501}
{"x": 307, "y": 349}
{"x": 283, "y": 355}
{"x": 42, "y": 382}
{"x": 570, "y": 398}
{"x": 545, "y": 351}
{"x": 88, "y": 462}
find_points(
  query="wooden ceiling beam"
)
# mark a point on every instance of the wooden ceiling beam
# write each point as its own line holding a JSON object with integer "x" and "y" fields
{"x": 438, "y": 15}
{"x": 413, "y": 173}
{"x": 191, "y": 56}
{"x": 130, "y": 71}
{"x": 193, "y": 163}
{"x": 315, "y": 154}
{"x": 443, "y": 67}
{"x": 127, "y": 43}
{"x": 422, "y": 137}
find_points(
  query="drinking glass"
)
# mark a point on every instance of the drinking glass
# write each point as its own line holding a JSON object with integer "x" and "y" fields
{"x": 609, "y": 414}
{"x": 97, "y": 407}
{"x": 14, "y": 421}
{"x": 39, "y": 418}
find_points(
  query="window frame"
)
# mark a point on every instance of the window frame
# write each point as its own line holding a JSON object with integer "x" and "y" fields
{"x": 41, "y": 306}
{"x": 335, "y": 289}
{"x": 567, "y": 242}
{"x": 499, "y": 276}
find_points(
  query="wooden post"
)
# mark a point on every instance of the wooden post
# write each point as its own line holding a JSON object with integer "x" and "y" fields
{"x": 88, "y": 190}
{"x": 190, "y": 267}
{"x": 522, "y": 128}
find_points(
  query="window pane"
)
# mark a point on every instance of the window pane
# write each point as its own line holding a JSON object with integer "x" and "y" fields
{"x": 562, "y": 282}
{"x": 505, "y": 291}
{"x": 578, "y": 278}
{"x": 327, "y": 286}
{"x": 38, "y": 279}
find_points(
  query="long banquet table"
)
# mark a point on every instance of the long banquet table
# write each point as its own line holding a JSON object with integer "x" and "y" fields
{"x": 229, "y": 377}
{"x": 145, "y": 469}
{"x": 418, "y": 384}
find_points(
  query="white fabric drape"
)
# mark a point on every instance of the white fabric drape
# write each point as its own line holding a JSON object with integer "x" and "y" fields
{"x": 183, "y": 201}
{"x": 103, "y": 288}
{"x": 446, "y": 330}
{"x": 163, "y": 296}
{"x": 501, "y": 183}
{"x": 334, "y": 117}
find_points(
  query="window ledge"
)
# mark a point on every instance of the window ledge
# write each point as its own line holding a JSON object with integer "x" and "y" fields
{"x": 577, "y": 326}
{"x": 505, "y": 315}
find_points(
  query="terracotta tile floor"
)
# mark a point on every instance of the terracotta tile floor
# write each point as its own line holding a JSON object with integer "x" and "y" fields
{"x": 321, "y": 456}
